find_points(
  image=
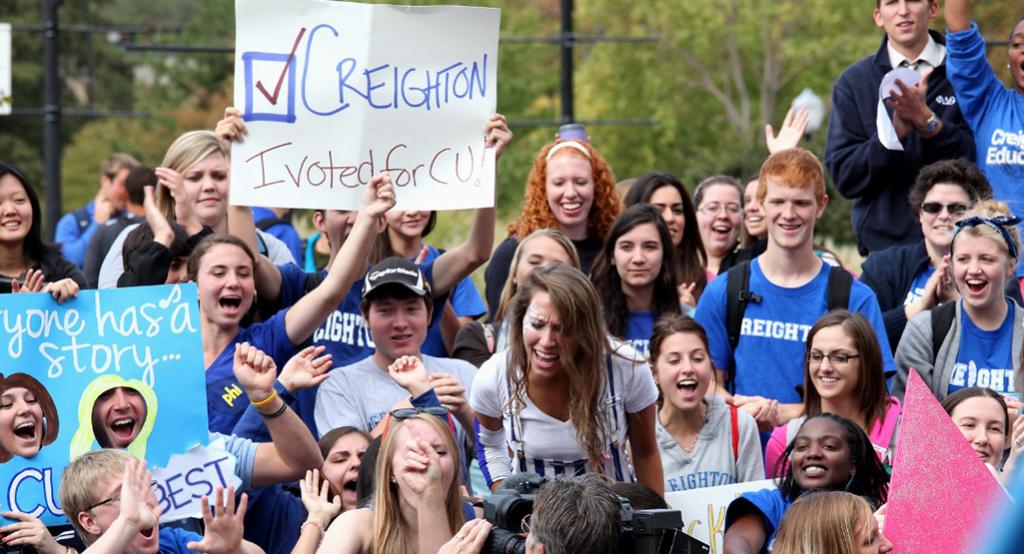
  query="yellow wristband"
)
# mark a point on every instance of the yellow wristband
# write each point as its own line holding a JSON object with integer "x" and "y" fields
{"x": 265, "y": 401}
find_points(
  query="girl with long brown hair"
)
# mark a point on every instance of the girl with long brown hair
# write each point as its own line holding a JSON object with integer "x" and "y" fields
{"x": 564, "y": 398}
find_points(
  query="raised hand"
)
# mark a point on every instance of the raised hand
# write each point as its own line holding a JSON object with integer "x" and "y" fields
{"x": 379, "y": 196}
{"x": 410, "y": 373}
{"x": 793, "y": 128}
{"x": 231, "y": 128}
{"x": 63, "y": 290}
{"x": 223, "y": 529}
{"x": 319, "y": 508}
{"x": 497, "y": 134}
{"x": 136, "y": 493}
{"x": 306, "y": 369}
{"x": 163, "y": 233}
{"x": 449, "y": 391}
{"x": 255, "y": 371}
{"x": 687, "y": 297}
{"x": 33, "y": 282}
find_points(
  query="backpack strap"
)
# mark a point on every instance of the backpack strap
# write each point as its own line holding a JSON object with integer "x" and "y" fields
{"x": 737, "y": 295}
{"x": 839, "y": 283}
{"x": 734, "y": 417}
{"x": 942, "y": 319}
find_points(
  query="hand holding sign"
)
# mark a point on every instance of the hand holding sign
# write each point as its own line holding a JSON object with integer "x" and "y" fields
{"x": 306, "y": 369}
{"x": 63, "y": 290}
{"x": 231, "y": 128}
{"x": 379, "y": 196}
{"x": 497, "y": 134}
{"x": 255, "y": 371}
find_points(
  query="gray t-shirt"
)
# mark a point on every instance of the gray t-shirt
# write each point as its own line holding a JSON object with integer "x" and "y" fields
{"x": 712, "y": 462}
{"x": 361, "y": 394}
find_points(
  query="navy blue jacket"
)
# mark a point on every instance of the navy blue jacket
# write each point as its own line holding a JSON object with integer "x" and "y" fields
{"x": 891, "y": 272}
{"x": 878, "y": 179}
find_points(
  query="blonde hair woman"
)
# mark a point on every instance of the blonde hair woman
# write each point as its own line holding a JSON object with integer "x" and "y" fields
{"x": 830, "y": 522}
{"x": 193, "y": 183}
{"x": 416, "y": 503}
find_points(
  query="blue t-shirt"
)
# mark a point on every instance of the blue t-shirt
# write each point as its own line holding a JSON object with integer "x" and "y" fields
{"x": 769, "y": 359}
{"x": 639, "y": 329}
{"x": 344, "y": 334}
{"x": 273, "y": 520}
{"x": 984, "y": 358}
{"x": 174, "y": 540}
{"x": 995, "y": 114}
{"x": 466, "y": 302}
{"x": 916, "y": 291}
{"x": 225, "y": 398}
{"x": 769, "y": 502}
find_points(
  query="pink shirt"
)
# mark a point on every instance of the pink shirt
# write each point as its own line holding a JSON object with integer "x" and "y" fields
{"x": 882, "y": 437}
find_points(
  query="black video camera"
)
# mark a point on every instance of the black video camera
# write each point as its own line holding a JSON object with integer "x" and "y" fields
{"x": 641, "y": 532}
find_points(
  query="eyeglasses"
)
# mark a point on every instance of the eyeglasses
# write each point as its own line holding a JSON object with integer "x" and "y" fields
{"x": 116, "y": 497}
{"x": 525, "y": 524}
{"x": 835, "y": 358}
{"x": 406, "y": 413}
{"x": 956, "y": 208}
{"x": 714, "y": 208}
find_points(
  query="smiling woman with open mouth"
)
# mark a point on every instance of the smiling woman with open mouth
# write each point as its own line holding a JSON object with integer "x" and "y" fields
{"x": 28, "y": 417}
{"x": 981, "y": 344}
{"x": 829, "y": 453}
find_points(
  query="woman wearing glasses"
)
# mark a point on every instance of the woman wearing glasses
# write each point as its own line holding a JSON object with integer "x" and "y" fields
{"x": 842, "y": 376}
{"x": 909, "y": 279}
{"x": 981, "y": 346}
{"x": 719, "y": 201}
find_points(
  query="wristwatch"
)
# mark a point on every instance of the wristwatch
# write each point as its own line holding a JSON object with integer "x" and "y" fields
{"x": 931, "y": 127}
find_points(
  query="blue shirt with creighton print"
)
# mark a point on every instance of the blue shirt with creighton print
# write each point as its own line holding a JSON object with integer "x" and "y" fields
{"x": 995, "y": 114}
{"x": 639, "y": 329}
{"x": 984, "y": 358}
{"x": 769, "y": 359}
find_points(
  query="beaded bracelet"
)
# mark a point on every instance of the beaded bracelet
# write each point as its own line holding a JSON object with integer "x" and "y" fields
{"x": 314, "y": 523}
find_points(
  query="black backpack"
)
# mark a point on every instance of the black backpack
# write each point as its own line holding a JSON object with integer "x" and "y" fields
{"x": 942, "y": 319}
{"x": 738, "y": 295}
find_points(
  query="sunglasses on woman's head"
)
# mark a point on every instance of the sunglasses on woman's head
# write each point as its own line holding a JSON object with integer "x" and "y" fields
{"x": 406, "y": 413}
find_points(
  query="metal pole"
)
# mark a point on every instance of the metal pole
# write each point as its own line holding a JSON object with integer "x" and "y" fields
{"x": 51, "y": 108}
{"x": 568, "y": 42}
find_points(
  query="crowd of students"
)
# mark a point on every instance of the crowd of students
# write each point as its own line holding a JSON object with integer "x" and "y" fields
{"x": 639, "y": 333}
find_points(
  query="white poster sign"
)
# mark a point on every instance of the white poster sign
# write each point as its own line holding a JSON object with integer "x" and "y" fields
{"x": 704, "y": 509}
{"x": 5, "y": 69}
{"x": 335, "y": 92}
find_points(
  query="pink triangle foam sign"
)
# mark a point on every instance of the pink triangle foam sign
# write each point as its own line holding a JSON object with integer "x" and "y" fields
{"x": 940, "y": 491}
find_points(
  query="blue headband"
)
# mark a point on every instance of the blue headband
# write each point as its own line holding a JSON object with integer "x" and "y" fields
{"x": 999, "y": 223}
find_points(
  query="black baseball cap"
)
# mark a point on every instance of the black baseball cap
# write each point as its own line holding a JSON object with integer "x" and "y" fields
{"x": 395, "y": 270}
